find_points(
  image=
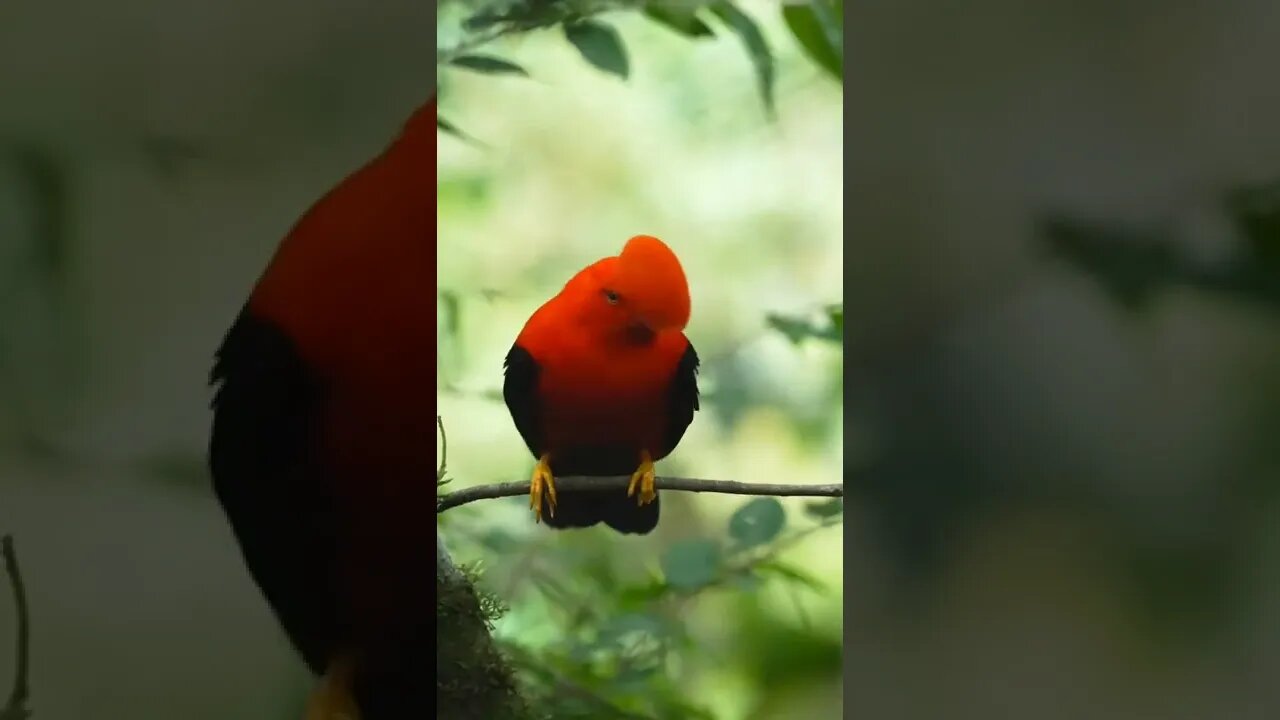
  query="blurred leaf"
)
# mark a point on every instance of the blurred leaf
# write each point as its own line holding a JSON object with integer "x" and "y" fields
{"x": 757, "y": 47}
{"x": 798, "y": 329}
{"x": 680, "y": 18}
{"x": 817, "y": 27}
{"x": 46, "y": 179}
{"x": 636, "y": 677}
{"x": 1255, "y": 212}
{"x": 795, "y": 330}
{"x": 745, "y": 580}
{"x": 780, "y": 654}
{"x": 617, "y": 629}
{"x": 825, "y": 508}
{"x": 599, "y": 45}
{"x": 691, "y": 564}
{"x": 835, "y": 314}
{"x": 489, "y": 65}
{"x": 452, "y": 312}
{"x": 1127, "y": 262}
{"x": 500, "y": 541}
{"x": 792, "y": 574}
{"x": 450, "y": 129}
{"x": 522, "y": 15}
{"x": 482, "y": 20}
{"x": 757, "y": 522}
{"x": 639, "y": 595}
{"x": 1131, "y": 264}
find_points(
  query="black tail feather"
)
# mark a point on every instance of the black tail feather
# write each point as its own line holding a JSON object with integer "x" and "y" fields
{"x": 585, "y": 508}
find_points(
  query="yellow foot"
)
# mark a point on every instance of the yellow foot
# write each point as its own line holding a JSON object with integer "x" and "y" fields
{"x": 331, "y": 699}
{"x": 541, "y": 482}
{"x": 643, "y": 479}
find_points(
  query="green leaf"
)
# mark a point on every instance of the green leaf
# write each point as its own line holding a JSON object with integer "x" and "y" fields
{"x": 599, "y": 45}
{"x": 797, "y": 329}
{"x": 681, "y": 19}
{"x": 824, "y": 509}
{"x": 835, "y": 314}
{"x": 621, "y": 627}
{"x": 482, "y": 20}
{"x": 1255, "y": 212}
{"x": 818, "y": 29}
{"x": 691, "y": 564}
{"x": 641, "y": 595}
{"x": 792, "y": 574}
{"x": 450, "y": 129}
{"x": 757, "y": 48}
{"x": 1130, "y": 263}
{"x": 488, "y": 65}
{"x": 452, "y": 312}
{"x": 757, "y": 522}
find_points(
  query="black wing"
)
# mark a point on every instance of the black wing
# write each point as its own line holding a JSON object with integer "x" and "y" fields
{"x": 683, "y": 399}
{"x": 519, "y": 384}
{"x": 264, "y": 423}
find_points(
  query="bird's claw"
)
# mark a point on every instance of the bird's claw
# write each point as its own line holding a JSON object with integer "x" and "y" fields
{"x": 332, "y": 699}
{"x": 641, "y": 485}
{"x": 542, "y": 483}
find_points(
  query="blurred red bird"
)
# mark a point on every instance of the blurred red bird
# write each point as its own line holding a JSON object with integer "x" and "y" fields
{"x": 321, "y": 450}
{"x": 603, "y": 382}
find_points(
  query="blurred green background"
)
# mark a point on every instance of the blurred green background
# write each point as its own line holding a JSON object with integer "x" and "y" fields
{"x": 696, "y": 619}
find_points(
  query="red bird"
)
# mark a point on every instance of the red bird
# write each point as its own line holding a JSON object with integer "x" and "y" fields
{"x": 321, "y": 450}
{"x": 602, "y": 382}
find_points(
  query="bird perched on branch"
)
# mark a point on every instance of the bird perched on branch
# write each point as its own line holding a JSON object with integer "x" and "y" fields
{"x": 321, "y": 450}
{"x": 603, "y": 382}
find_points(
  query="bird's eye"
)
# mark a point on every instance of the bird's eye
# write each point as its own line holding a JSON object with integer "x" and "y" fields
{"x": 611, "y": 297}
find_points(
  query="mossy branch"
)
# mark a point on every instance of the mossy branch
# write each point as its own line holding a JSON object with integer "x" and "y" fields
{"x": 16, "y": 707}
{"x": 619, "y": 484}
{"x": 473, "y": 680}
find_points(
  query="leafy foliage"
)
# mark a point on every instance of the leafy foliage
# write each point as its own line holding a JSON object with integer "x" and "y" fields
{"x": 488, "y": 65}
{"x": 619, "y": 641}
{"x": 828, "y": 326}
{"x": 1132, "y": 263}
{"x": 757, "y": 522}
{"x": 756, "y": 46}
{"x": 691, "y": 564}
{"x": 681, "y": 18}
{"x": 449, "y": 128}
{"x": 817, "y": 28}
{"x": 599, "y": 45}
{"x": 1255, "y": 212}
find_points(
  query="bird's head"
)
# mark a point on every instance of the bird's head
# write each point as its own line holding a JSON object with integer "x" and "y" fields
{"x": 640, "y": 292}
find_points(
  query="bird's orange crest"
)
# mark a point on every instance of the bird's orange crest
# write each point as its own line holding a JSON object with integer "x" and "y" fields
{"x": 649, "y": 278}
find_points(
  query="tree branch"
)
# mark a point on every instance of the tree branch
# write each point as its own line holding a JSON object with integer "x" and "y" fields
{"x": 619, "y": 483}
{"x": 16, "y": 708}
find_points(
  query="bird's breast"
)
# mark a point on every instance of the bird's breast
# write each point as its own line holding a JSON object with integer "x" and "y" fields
{"x": 597, "y": 399}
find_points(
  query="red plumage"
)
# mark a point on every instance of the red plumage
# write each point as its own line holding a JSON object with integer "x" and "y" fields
{"x": 601, "y": 381}
{"x": 321, "y": 449}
